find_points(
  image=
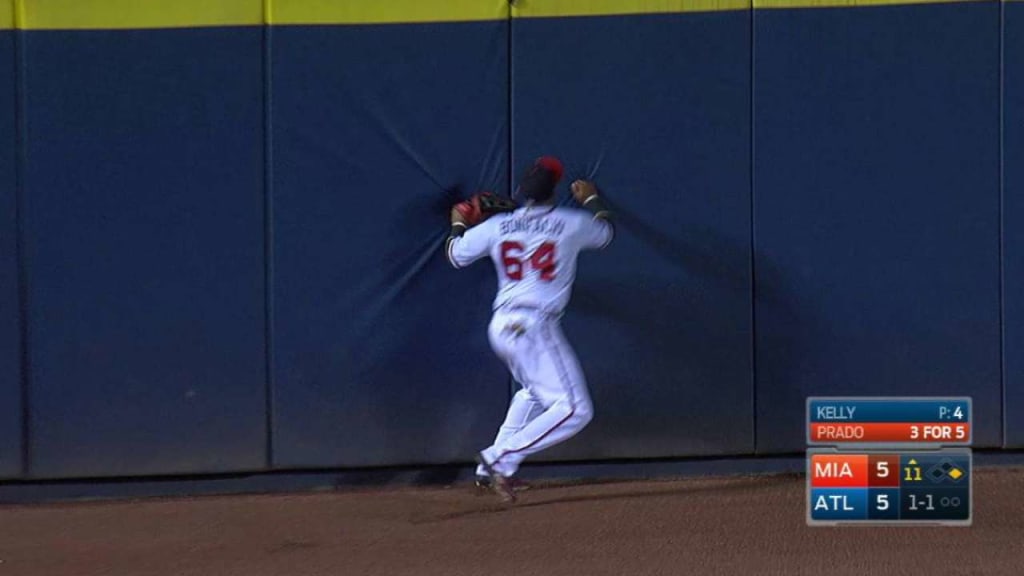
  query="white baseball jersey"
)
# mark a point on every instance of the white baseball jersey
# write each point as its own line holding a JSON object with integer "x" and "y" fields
{"x": 534, "y": 251}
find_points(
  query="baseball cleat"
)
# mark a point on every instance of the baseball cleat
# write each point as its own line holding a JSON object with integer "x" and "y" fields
{"x": 484, "y": 483}
{"x": 499, "y": 484}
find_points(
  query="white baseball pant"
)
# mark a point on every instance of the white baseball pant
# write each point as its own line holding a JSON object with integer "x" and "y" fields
{"x": 553, "y": 404}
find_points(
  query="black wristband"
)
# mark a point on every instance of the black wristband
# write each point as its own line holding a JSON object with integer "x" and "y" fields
{"x": 597, "y": 206}
{"x": 458, "y": 229}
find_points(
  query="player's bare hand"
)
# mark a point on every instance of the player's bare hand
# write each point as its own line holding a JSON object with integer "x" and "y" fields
{"x": 583, "y": 190}
{"x": 457, "y": 217}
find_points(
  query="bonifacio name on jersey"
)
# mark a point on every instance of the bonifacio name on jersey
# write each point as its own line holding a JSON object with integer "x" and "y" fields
{"x": 553, "y": 226}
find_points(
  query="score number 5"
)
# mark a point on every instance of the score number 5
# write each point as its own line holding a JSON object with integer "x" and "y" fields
{"x": 882, "y": 471}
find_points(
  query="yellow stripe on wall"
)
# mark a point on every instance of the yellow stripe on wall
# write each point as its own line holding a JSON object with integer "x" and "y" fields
{"x": 6, "y": 14}
{"x": 121, "y": 14}
{"x": 557, "y": 8}
{"x": 384, "y": 11}
{"x": 118, "y": 14}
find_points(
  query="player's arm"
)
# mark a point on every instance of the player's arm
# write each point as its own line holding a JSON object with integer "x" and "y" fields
{"x": 601, "y": 231}
{"x": 465, "y": 246}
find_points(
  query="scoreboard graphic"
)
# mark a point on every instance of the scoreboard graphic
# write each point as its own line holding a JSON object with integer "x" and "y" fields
{"x": 874, "y": 421}
{"x": 889, "y": 461}
{"x": 886, "y": 486}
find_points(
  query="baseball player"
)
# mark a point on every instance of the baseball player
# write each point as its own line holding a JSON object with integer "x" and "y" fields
{"x": 534, "y": 250}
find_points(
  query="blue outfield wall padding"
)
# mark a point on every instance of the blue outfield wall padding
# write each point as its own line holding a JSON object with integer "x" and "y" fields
{"x": 1013, "y": 221}
{"x": 380, "y": 349}
{"x": 656, "y": 110}
{"x": 145, "y": 236}
{"x": 10, "y": 337}
{"x": 876, "y": 210}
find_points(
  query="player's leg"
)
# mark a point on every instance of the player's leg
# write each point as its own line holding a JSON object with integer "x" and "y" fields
{"x": 521, "y": 411}
{"x": 555, "y": 379}
{"x": 512, "y": 338}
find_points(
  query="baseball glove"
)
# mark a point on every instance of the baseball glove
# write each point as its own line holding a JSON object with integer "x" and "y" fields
{"x": 482, "y": 206}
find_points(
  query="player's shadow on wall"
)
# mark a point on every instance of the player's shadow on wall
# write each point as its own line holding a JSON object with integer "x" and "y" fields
{"x": 667, "y": 348}
{"x": 396, "y": 369}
